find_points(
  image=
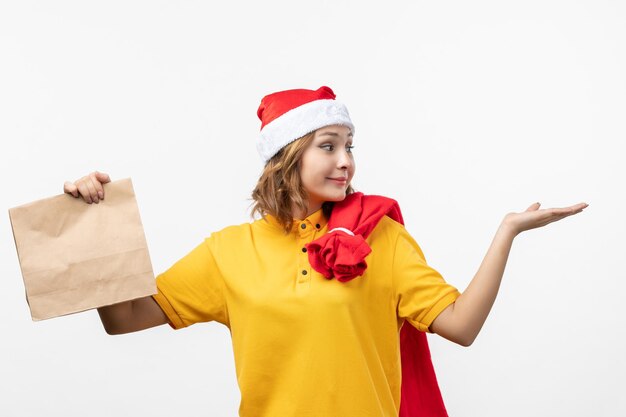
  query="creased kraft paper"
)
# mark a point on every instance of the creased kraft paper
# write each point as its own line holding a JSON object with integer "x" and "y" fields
{"x": 76, "y": 256}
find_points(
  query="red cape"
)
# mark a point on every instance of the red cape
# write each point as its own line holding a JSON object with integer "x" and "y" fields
{"x": 341, "y": 254}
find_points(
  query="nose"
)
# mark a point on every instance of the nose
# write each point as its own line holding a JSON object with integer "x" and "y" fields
{"x": 345, "y": 160}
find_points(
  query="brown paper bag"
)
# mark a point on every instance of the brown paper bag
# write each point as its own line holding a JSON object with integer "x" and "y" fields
{"x": 76, "y": 256}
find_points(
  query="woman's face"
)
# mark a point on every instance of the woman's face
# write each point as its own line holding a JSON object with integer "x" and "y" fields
{"x": 327, "y": 165}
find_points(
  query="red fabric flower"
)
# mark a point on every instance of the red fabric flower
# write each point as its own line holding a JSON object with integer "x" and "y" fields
{"x": 341, "y": 252}
{"x": 339, "y": 255}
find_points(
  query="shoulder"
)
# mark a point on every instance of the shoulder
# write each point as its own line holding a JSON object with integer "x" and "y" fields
{"x": 257, "y": 227}
{"x": 387, "y": 228}
{"x": 386, "y": 233}
{"x": 230, "y": 234}
{"x": 394, "y": 236}
{"x": 234, "y": 229}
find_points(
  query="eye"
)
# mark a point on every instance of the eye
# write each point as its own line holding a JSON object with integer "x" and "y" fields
{"x": 328, "y": 147}
{"x": 349, "y": 148}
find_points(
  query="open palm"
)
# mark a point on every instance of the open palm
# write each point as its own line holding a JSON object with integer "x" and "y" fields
{"x": 533, "y": 217}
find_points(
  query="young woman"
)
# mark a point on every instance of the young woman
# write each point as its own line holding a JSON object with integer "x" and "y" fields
{"x": 306, "y": 344}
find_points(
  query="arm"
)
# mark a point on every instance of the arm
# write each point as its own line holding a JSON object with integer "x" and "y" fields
{"x": 461, "y": 321}
{"x": 131, "y": 316}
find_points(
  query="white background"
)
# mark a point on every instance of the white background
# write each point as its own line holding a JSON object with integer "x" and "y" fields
{"x": 464, "y": 111}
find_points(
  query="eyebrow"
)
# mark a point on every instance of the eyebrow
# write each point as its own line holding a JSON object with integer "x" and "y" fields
{"x": 333, "y": 134}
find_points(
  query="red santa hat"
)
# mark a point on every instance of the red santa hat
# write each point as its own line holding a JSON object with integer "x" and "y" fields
{"x": 288, "y": 115}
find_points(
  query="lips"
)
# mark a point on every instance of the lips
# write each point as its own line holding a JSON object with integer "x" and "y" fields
{"x": 339, "y": 180}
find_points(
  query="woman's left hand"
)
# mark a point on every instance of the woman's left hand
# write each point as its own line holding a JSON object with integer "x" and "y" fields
{"x": 533, "y": 217}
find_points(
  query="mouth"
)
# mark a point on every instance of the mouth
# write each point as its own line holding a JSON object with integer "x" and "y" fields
{"x": 340, "y": 180}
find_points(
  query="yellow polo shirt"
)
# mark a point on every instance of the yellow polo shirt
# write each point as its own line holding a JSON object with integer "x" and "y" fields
{"x": 304, "y": 345}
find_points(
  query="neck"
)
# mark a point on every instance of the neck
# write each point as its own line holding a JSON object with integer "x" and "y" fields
{"x": 299, "y": 214}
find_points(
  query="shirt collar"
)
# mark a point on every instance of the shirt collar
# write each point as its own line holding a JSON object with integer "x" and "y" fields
{"x": 315, "y": 221}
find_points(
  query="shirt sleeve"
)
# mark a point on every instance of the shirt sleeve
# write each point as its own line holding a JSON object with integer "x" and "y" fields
{"x": 421, "y": 292}
{"x": 192, "y": 290}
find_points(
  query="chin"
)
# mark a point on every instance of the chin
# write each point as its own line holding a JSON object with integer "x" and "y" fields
{"x": 330, "y": 195}
{"x": 336, "y": 197}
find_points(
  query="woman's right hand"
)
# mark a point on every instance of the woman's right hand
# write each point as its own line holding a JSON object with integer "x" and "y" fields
{"x": 89, "y": 187}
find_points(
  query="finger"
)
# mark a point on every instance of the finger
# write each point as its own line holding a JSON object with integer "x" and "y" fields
{"x": 102, "y": 177}
{"x": 92, "y": 189}
{"x": 561, "y": 213}
{"x": 70, "y": 188}
{"x": 84, "y": 191}
{"x": 533, "y": 207}
{"x": 558, "y": 213}
{"x": 568, "y": 211}
{"x": 97, "y": 185}
{"x": 580, "y": 206}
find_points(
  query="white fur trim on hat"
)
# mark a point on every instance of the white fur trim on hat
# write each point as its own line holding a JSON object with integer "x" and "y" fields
{"x": 298, "y": 122}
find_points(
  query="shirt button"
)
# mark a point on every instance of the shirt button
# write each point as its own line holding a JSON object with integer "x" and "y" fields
{"x": 317, "y": 225}
{"x": 304, "y": 272}
{"x": 303, "y": 226}
{"x": 304, "y": 250}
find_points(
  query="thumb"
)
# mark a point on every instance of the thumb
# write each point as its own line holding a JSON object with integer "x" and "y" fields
{"x": 102, "y": 177}
{"x": 533, "y": 207}
{"x": 70, "y": 188}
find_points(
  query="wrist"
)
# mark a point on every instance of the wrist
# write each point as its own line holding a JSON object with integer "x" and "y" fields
{"x": 507, "y": 228}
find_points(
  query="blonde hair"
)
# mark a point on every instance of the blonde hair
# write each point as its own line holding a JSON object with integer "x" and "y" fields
{"x": 280, "y": 187}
